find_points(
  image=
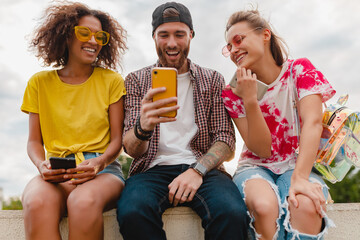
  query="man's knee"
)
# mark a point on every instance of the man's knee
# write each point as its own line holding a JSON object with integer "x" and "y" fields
{"x": 135, "y": 205}
{"x": 128, "y": 214}
{"x": 234, "y": 211}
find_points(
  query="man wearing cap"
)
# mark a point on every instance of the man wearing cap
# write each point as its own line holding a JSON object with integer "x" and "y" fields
{"x": 178, "y": 161}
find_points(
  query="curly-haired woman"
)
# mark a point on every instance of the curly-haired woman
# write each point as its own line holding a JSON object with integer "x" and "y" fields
{"x": 75, "y": 111}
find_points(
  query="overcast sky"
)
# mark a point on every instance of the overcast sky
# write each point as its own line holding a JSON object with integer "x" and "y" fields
{"x": 325, "y": 31}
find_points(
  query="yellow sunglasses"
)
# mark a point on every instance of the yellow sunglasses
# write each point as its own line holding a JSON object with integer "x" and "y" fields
{"x": 84, "y": 34}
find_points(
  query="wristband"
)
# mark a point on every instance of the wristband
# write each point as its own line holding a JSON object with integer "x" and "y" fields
{"x": 146, "y": 134}
{"x": 142, "y": 130}
{"x": 141, "y": 137}
{"x": 199, "y": 168}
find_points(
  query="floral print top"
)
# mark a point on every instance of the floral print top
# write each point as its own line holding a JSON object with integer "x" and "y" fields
{"x": 278, "y": 112}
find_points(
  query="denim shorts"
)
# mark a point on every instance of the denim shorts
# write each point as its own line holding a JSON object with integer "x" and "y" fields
{"x": 113, "y": 168}
{"x": 280, "y": 184}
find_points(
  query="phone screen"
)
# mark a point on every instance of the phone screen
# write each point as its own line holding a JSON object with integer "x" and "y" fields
{"x": 62, "y": 163}
{"x": 165, "y": 77}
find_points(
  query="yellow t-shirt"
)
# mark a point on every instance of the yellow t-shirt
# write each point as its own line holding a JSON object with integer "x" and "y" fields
{"x": 73, "y": 118}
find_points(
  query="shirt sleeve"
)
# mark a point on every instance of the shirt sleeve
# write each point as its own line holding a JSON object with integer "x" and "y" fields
{"x": 118, "y": 89}
{"x": 233, "y": 104}
{"x": 309, "y": 80}
{"x": 132, "y": 101}
{"x": 30, "y": 100}
{"x": 221, "y": 126}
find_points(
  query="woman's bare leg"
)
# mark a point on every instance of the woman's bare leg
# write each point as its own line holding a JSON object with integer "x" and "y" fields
{"x": 43, "y": 207}
{"x": 262, "y": 203}
{"x": 87, "y": 203}
{"x": 305, "y": 219}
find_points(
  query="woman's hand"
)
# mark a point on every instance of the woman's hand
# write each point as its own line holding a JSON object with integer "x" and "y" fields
{"x": 310, "y": 111}
{"x": 85, "y": 171}
{"x": 51, "y": 175}
{"x": 246, "y": 87}
{"x": 311, "y": 190}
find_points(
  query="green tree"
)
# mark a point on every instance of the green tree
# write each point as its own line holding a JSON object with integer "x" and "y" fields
{"x": 125, "y": 162}
{"x": 348, "y": 190}
{"x": 13, "y": 204}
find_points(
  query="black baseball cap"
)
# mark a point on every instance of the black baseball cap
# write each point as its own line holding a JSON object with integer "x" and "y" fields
{"x": 184, "y": 15}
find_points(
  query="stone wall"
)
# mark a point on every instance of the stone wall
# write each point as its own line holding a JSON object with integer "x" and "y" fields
{"x": 181, "y": 223}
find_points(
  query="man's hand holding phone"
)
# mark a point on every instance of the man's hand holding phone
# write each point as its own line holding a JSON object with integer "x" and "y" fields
{"x": 160, "y": 103}
{"x": 152, "y": 110}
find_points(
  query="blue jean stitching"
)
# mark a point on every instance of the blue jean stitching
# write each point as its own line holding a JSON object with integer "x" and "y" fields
{"x": 160, "y": 204}
{"x": 202, "y": 200}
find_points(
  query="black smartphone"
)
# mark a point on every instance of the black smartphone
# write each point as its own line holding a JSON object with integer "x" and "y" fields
{"x": 62, "y": 163}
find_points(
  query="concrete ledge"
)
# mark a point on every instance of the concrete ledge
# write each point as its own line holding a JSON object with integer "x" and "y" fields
{"x": 346, "y": 217}
{"x": 183, "y": 223}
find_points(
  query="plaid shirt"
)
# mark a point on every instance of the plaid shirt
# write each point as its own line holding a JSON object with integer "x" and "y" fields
{"x": 211, "y": 117}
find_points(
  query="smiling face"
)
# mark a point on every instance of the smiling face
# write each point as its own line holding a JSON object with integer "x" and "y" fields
{"x": 172, "y": 41}
{"x": 252, "y": 45}
{"x": 85, "y": 52}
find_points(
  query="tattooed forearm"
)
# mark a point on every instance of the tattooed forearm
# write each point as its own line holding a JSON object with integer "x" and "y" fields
{"x": 216, "y": 155}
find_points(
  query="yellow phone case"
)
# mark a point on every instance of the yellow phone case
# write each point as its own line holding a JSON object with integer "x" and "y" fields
{"x": 165, "y": 77}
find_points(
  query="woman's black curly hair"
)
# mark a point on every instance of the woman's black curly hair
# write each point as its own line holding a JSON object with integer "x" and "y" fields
{"x": 51, "y": 37}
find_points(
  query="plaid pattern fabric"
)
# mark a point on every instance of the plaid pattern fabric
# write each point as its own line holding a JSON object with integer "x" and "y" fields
{"x": 211, "y": 117}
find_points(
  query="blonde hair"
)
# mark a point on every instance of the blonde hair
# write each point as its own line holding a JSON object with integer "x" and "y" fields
{"x": 278, "y": 47}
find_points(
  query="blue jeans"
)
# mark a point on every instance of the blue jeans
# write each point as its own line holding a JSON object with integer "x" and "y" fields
{"x": 280, "y": 184}
{"x": 145, "y": 198}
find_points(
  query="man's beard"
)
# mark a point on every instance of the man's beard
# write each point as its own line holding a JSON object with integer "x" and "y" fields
{"x": 163, "y": 61}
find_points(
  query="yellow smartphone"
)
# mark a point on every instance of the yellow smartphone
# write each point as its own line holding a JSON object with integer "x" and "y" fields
{"x": 165, "y": 77}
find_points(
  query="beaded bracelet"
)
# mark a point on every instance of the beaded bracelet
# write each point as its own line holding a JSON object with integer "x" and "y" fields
{"x": 147, "y": 134}
{"x": 142, "y": 130}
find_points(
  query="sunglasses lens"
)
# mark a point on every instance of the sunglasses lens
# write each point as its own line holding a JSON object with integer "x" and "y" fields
{"x": 225, "y": 51}
{"x": 101, "y": 38}
{"x": 237, "y": 39}
{"x": 83, "y": 34}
